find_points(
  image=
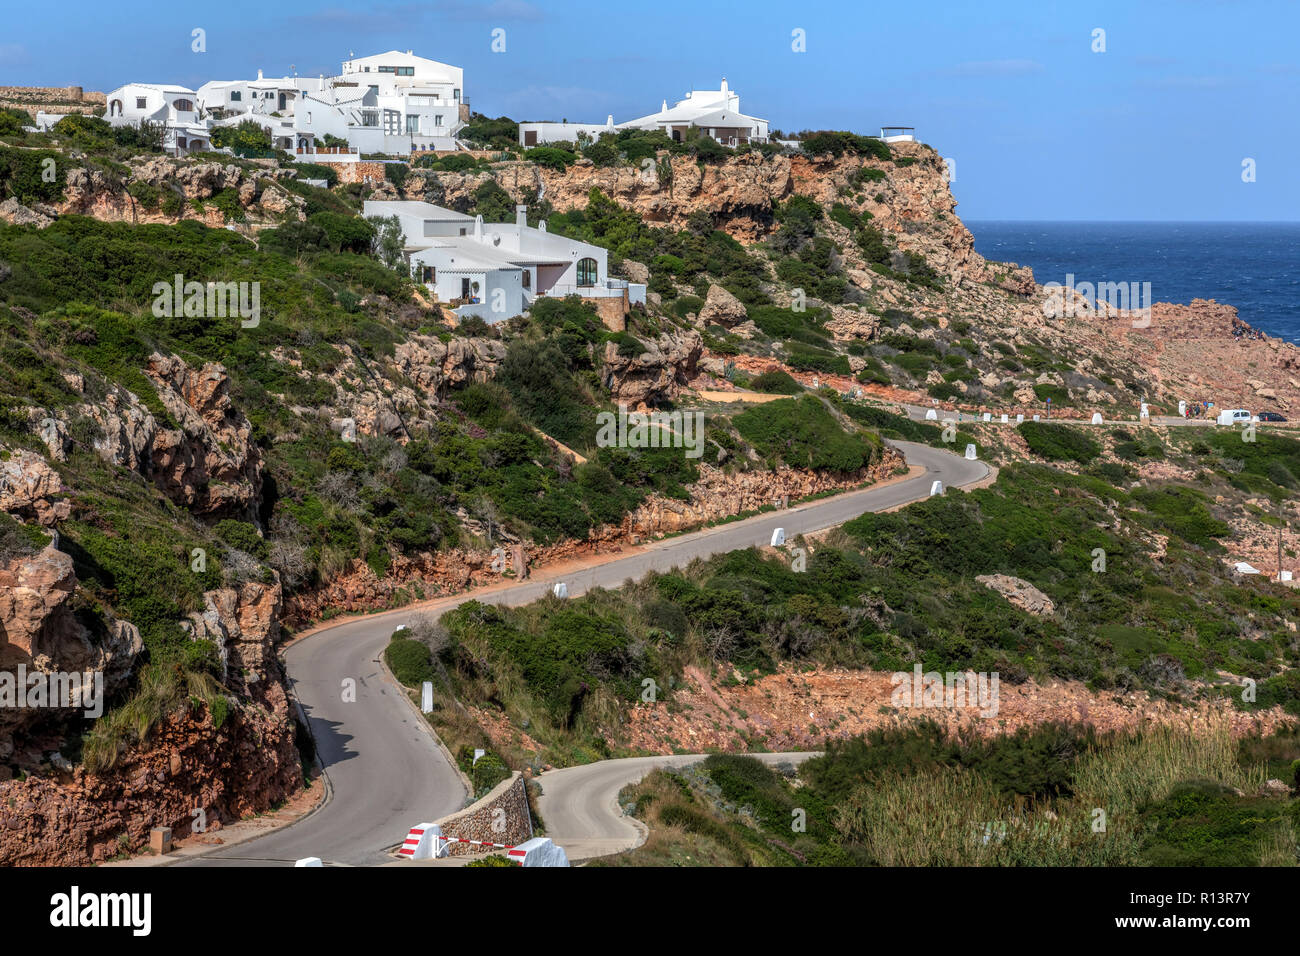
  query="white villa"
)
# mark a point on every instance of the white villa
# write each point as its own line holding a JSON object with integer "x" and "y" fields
{"x": 175, "y": 107}
{"x": 392, "y": 102}
{"x": 497, "y": 270}
{"x": 715, "y": 112}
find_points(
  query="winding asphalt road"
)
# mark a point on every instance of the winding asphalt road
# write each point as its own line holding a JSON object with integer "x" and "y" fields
{"x": 579, "y": 805}
{"x": 384, "y": 769}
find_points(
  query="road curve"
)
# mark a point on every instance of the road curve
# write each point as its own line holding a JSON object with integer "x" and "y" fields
{"x": 384, "y": 768}
{"x": 579, "y": 805}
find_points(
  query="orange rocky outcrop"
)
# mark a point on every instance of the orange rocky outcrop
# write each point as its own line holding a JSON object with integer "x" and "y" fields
{"x": 247, "y": 765}
{"x": 40, "y": 630}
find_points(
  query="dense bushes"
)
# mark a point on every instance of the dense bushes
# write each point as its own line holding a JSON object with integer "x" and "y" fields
{"x": 839, "y": 142}
{"x": 32, "y": 175}
{"x": 777, "y": 382}
{"x": 499, "y": 133}
{"x": 410, "y": 661}
{"x": 802, "y": 433}
{"x": 681, "y": 254}
{"x": 551, "y": 158}
{"x": 1058, "y": 442}
{"x": 570, "y": 655}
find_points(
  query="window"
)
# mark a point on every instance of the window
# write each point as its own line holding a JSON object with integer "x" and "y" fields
{"x": 369, "y": 117}
{"x": 392, "y": 122}
{"x": 236, "y": 96}
{"x": 183, "y": 106}
{"x": 139, "y": 102}
{"x": 412, "y": 123}
{"x": 437, "y": 120}
{"x": 456, "y": 95}
{"x": 388, "y": 69}
{"x": 587, "y": 272}
{"x": 528, "y": 279}
{"x": 429, "y": 276}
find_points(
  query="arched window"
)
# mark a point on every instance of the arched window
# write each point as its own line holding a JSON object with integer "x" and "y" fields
{"x": 183, "y": 106}
{"x": 587, "y": 272}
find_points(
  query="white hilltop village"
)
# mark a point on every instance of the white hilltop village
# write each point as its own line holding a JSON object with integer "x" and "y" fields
{"x": 396, "y": 106}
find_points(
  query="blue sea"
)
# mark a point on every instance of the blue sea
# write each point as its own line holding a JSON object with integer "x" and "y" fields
{"x": 1251, "y": 265}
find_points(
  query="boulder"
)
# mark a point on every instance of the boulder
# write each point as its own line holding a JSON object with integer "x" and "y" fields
{"x": 721, "y": 308}
{"x": 29, "y": 487}
{"x": 1019, "y": 592}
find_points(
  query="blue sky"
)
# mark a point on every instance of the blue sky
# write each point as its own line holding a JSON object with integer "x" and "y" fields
{"x": 1039, "y": 126}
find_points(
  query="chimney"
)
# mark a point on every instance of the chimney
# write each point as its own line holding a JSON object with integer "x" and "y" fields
{"x": 521, "y": 216}
{"x": 609, "y": 121}
{"x": 259, "y": 74}
{"x": 478, "y": 228}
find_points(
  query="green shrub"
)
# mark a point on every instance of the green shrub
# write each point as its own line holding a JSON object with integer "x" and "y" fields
{"x": 803, "y": 434}
{"x": 776, "y": 382}
{"x": 551, "y": 158}
{"x": 1058, "y": 442}
{"x": 409, "y": 660}
{"x": 839, "y": 142}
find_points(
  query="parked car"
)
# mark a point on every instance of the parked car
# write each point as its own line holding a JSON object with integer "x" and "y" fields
{"x": 1271, "y": 417}
{"x": 1233, "y": 416}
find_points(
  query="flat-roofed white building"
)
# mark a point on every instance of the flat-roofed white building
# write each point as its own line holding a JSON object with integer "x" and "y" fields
{"x": 175, "y": 108}
{"x": 497, "y": 270}
{"x": 394, "y": 103}
{"x": 716, "y": 113}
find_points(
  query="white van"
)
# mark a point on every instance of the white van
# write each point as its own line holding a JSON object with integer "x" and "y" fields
{"x": 1233, "y": 416}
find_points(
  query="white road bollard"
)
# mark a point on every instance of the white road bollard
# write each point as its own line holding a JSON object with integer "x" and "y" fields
{"x": 426, "y": 697}
{"x": 1004, "y": 419}
{"x": 1096, "y": 418}
{"x": 1036, "y": 418}
{"x": 1019, "y": 419}
{"x": 931, "y": 415}
{"x": 1145, "y": 411}
{"x": 936, "y": 488}
{"x": 309, "y": 861}
{"x": 561, "y": 590}
{"x": 539, "y": 851}
{"x": 421, "y": 843}
{"x": 970, "y": 452}
{"x": 988, "y": 416}
{"x": 778, "y": 537}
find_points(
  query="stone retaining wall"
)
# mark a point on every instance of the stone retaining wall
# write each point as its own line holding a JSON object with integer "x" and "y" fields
{"x": 500, "y": 817}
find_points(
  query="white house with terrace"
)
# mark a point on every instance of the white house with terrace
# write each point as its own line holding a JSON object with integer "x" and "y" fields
{"x": 716, "y": 113}
{"x": 175, "y": 108}
{"x": 497, "y": 270}
{"x": 394, "y": 103}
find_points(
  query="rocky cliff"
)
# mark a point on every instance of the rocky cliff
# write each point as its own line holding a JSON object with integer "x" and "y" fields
{"x": 164, "y": 190}
{"x": 192, "y": 773}
{"x": 203, "y": 458}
